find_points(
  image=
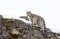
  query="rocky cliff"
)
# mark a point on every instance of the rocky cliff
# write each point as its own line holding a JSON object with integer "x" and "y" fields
{"x": 17, "y": 29}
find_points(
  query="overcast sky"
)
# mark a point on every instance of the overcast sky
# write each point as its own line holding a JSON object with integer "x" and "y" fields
{"x": 48, "y": 9}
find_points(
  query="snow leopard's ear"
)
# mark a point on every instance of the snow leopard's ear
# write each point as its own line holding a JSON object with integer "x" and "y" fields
{"x": 29, "y": 13}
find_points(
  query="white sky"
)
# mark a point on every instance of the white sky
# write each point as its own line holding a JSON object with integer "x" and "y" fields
{"x": 48, "y": 9}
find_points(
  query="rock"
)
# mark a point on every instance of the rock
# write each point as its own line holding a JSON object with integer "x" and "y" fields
{"x": 1, "y": 17}
{"x": 22, "y": 30}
